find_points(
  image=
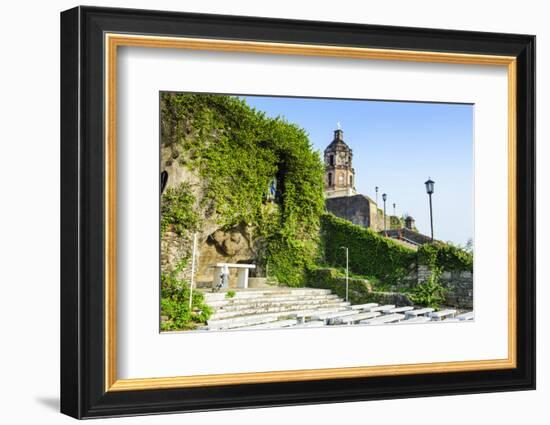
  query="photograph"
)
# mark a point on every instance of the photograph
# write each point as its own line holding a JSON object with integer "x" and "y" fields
{"x": 293, "y": 212}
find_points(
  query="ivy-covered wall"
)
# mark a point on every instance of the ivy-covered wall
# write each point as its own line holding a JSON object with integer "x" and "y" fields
{"x": 370, "y": 254}
{"x": 234, "y": 152}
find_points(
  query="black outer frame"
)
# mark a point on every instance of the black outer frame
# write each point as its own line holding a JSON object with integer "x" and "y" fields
{"x": 82, "y": 212}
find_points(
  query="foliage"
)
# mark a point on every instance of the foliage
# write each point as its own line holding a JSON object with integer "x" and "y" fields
{"x": 230, "y": 294}
{"x": 360, "y": 291}
{"x": 174, "y": 303}
{"x": 396, "y": 222}
{"x": 177, "y": 210}
{"x": 329, "y": 278}
{"x": 429, "y": 293}
{"x": 370, "y": 254}
{"x": 238, "y": 152}
{"x": 445, "y": 256}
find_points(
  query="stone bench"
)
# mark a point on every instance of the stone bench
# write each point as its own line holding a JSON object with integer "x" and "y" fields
{"x": 419, "y": 312}
{"x": 334, "y": 315}
{"x": 398, "y": 309}
{"x": 388, "y": 318}
{"x": 439, "y": 315}
{"x": 418, "y": 319}
{"x": 466, "y": 316}
{"x": 364, "y": 306}
{"x": 242, "y": 273}
{"x": 347, "y": 320}
{"x": 383, "y": 307}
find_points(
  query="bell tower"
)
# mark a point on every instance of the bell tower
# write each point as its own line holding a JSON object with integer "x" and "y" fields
{"x": 339, "y": 172}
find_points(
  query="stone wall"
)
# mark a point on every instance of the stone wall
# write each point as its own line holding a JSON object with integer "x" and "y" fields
{"x": 459, "y": 285}
{"x": 356, "y": 209}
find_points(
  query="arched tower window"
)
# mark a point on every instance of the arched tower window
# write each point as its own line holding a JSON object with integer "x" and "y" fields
{"x": 331, "y": 160}
{"x": 351, "y": 181}
{"x": 330, "y": 179}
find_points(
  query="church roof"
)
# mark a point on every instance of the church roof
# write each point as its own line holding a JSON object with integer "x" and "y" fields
{"x": 338, "y": 142}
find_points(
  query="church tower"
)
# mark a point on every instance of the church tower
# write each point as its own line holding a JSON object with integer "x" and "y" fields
{"x": 339, "y": 172}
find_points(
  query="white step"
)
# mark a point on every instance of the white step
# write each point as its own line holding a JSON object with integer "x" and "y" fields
{"x": 244, "y": 301}
{"x": 282, "y": 309}
{"x": 239, "y": 322}
{"x": 388, "y": 318}
{"x": 253, "y": 319}
{"x": 272, "y": 325}
{"x": 268, "y": 303}
{"x": 263, "y": 293}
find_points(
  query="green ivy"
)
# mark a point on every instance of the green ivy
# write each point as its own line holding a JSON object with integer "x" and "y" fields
{"x": 446, "y": 257}
{"x": 174, "y": 304}
{"x": 370, "y": 254}
{"x": 237, "y": 151}
{"x": 429, "y": 293}
{"x": 177, "y": 210}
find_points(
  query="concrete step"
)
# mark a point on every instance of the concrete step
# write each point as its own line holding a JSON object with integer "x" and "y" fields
{"x": 274, "y": 308}
{"x": 273, "y": 325}
{"x": 263, "y": 293}
{"x": 254, "y": 319}
{"x": 240, "y": 322}
{"x": 248, "y": 301}
{"x": 267, "y": 302}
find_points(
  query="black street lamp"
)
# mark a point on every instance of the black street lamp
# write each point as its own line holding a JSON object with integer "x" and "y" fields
{"x": 384, "y": 197}
{"x": 429, "y": 190}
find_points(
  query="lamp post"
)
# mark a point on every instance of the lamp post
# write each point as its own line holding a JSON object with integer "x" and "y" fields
{"x": 347, "y": 270}
{"x": 429, "y": 190}
{"x": 394, "y": 209}
{"x": 384, "y": 197}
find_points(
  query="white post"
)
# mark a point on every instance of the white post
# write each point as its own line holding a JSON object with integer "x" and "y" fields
{"x": 192, "y": 270}
{"x": 347, "y": 274}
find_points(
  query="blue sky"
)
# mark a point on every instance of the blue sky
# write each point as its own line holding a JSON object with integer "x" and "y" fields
{"x": 397, "y": 146}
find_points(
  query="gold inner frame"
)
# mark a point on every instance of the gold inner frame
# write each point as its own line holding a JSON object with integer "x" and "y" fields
{"x": 113, "y": 41}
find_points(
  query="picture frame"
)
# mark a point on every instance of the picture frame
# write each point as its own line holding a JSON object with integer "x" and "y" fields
{"x": 90, "y": 39}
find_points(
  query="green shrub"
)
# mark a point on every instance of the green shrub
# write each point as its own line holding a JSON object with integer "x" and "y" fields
{"x": 370, "y": 254}
{"x": 445, "y": 256}
{"x": 174, "y": 304}
{"x": 429, "y": 293}
{"x": 230, "y": 294}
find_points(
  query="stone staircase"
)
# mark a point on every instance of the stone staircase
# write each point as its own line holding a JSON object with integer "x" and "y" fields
{"x": 269, "y": 308}
{"x": 272, "y": 308}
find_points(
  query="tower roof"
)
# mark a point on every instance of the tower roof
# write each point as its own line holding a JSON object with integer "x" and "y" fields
{"x": 338, "y": 142}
